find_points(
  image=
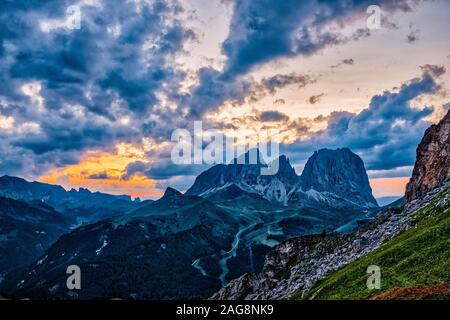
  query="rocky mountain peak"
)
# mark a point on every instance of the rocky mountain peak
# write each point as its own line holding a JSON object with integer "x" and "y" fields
{"x": 432, "y": 160}
{"x": 340, "y": 172}
{"x": 171, "y": 193}
{"x": 285, "y": 168}
{"x": 329, "y": 176}
{"x": 245, "y": 174}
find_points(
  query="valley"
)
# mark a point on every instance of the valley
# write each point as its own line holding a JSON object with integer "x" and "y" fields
{"x": 186, "y": 150}
{"x": 231, "y": 224}
{"x": 223, "y": 262}
{"x": 215, "y": 234}
{"x": 407, "y": 240}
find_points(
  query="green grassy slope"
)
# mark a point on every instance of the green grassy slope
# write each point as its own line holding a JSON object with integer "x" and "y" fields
{"x": 419, "y": 256}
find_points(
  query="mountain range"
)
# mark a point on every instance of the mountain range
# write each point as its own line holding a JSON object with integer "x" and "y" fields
{"x": 222, "y": 227}
{"x": 80, "y": 206}
{"x": 280, "y": 236}
{"x": 331, "y": 178}
{"x": 236, "y": 234}
{"x": 26, "y": 230}
{"x": 408, "y": 241}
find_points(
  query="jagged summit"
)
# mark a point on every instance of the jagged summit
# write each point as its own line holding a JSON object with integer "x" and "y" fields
{"x": 340, "y": 172}
{"x": 247, "y": 177}
{"x": 172, "y": 193}
{"x": 330, "y": 177}
{"x": 285, "y": 167}
{"x": 432, "y": 165}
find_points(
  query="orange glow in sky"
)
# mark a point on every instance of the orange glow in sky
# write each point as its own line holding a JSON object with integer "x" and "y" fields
{"x": 101, "y": 171}
{"x": 383, "y": 187}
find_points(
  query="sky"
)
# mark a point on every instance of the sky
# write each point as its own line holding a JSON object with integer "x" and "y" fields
{"x": 94, "y": 103}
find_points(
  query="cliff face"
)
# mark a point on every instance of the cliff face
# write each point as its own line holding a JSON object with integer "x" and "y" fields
{"x": 340, "y": 172}
{"x": 432, "y": 162}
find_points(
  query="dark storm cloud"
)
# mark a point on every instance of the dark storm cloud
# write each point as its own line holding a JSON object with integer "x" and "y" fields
{"x": 217, "y": 89}
{"x": 213, "y": 91}
{"x": 90, "y": 77}
{"x": 387, "y": 132}
{"x": 162, "y": 170}
{"x": 263, "y": 31}
{"x": 92, "y": 60}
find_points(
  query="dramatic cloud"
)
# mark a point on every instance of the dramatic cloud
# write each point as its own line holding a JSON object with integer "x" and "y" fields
{"x": 78, "y": 89}
{"x": 387, "y": 132}
{"x": 263, "y": 31}
{"x": 166, "y": 173}
{"x": 122, "y": 77}
{"x": 208, "y": 97}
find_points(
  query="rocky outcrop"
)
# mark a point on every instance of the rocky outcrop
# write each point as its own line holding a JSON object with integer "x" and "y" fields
{"x": 433, "y": 160}
{"x": 297, "y": 264}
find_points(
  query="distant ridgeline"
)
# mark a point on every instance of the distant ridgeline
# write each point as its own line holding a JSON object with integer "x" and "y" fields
{"x": 182, "y": 245}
